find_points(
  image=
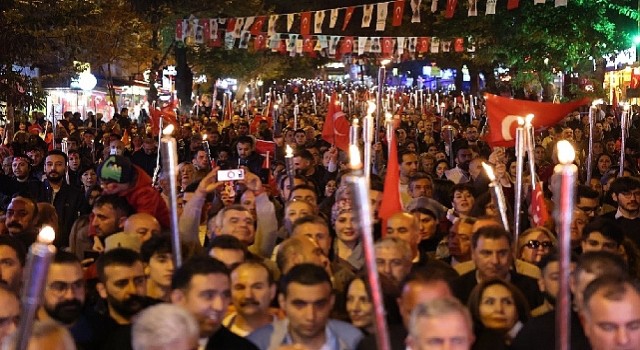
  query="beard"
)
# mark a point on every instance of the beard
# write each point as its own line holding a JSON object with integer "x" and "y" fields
{"x": 129, "y": 307}
{"x": 550, "y": 298}
{"x": 66, "y": 312}
{"x": 54, "y": 177}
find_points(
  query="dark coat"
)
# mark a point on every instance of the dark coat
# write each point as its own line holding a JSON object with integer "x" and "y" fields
{"x": 70, "y": 203}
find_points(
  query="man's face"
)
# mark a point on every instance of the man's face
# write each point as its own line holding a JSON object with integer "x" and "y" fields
{"x": 306, "y": 195}
{"x": 10, "y": 268}
{"x": 611, "y": 147}
{"x": 316, "y": 232}
{"x": 472, "y": 134}
{"x": 539, "y": 154}
{"x": 613, "y": 324}
{"x": 55, "y": 168}
{"x": 421, "y": 188}
{"x": 459, "y": 241}
{"x": 251, "y": 293}
{"x": 124, "y": 288}
{"x": 231, "y": 258}
{"x": 404, "y": 227}
{"x": 143, "y": 225}
{"x": 74, "y": 161}
{"x": 64, "y": 294}
{"x": 244, "y": 150}
{"x": 409, "y": 165}
{"x": 238, "y": 224}
{"x": 596, "y": 241}
{"x": 243, "y": 129}
{"x": 578, "y": 222}
{"x": 628, "y": 200}
{"x": 35, "y": 155}
{"x": 160, "y": 269}
{"x": 492, "y": 258}
{"x": 417, "y": 292}
{"x": 391, "y": 263}
{"x": 588, "y": 205}
{"x": 20, "y": 168}
{"x": 206, "y": 298}
{"x": 311, "y": 253}
{"x": 463, "y": 158}
{"x": 7, "y": 166}
{"x": 201, "y": 161}
{"x": 449, "y": 331}
{"x": 19, "y": 217}
{"x": 567, "y": 134}
{"x": 550, "y": 282}
{"x": 9, "y": 312}
{"x": 149, "y": 147}
{"x": 105, "y": 220}
{"x": 308, "y": 308}
{"x": 301, "y": 164}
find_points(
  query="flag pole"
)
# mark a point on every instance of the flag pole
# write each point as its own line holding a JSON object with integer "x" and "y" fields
{"x": 520, "y": 145}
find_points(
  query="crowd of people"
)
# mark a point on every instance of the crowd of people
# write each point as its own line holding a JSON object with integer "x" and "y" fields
{"x": 275, "y": 260}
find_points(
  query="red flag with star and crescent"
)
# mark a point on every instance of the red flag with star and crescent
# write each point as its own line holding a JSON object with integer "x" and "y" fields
{"x": 398, "y": 12}
{"x": 336, "y": 126}
{"x": 503, "y": 112}
{"x": 539, "y": 212}
{"x": 167, "y": 113}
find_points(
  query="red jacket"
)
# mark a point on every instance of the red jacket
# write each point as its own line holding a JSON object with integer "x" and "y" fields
{"x": 145, "y": 199}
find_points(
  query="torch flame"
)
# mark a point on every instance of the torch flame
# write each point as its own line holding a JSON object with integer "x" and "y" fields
{"x": 354, "y": 157}
{"x": 288, "y": 152}
{"x": 489, "y": 171}
{"x": 46, "y": 235}
{"x": 566, "y": 153}
{"x": 168, "y": 130}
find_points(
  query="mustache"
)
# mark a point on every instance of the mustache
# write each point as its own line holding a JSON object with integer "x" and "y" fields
{"x": 248, "y": 302}
{"x": 15, "y": 224}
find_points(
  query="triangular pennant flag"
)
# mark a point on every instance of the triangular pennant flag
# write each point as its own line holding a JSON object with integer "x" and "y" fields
{"x": 381, "y": 19}
{"x": 336, "y": 127}
{"x": 318, "y": 21}
{"x": 458, "y": 45}
{"x": 244, "y": 39}
{"x": 367, "y": 13}
{"x": 271, "y": 26}
{"x": 473, "y": 8}
{"x": 435, "y": 45}
{"x": 446, "y": 45}
{"x": 258, "y": 24}
{"x": 423, "y": 44}
{"x": 415, "y": 7}
{"x": 347, "y": 45}
{"x": 333, "y": 18}
{"x": 559, "y": 3}
{"x": 411, "y": 47}
{"x": 391, "y": 202}
{"x": 451, "y": 8}
{"x": 434, "y": 6}
{"x": 362, "y": 43}
{"x": 471, "y": 44}
{"x": 347, "y": 17}
{"x": 400, "y": 45}
{"x": 231, "y": 25}
{"x": 513, "y": 4}
{"x": 387, "y": 46}
{"x": 375, "y": 45}
{"x": 248, "y": 22}
{"x": 491, "y": 7}
{"x": 398, "y": 12}
{"x": 290, "y": 18}
{"x": 305, "y": 23}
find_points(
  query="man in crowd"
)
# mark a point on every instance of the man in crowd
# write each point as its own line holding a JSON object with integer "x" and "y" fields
{"x": 21, "y": 217}
{"x": 442, "y": 322}
{"x": 460, "y": 174}
{"x": 9, "y": 311}
{"x": 625, "y": 191}
{"x": 158, "y": 266}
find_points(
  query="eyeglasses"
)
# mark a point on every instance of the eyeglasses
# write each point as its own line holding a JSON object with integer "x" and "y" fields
{"x": 533, "y": 244}
{"x": 60, "y": 288}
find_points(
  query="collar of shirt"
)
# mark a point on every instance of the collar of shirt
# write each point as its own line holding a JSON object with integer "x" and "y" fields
{"x": 331, "y": 341}
{"x": 619, "y": 214}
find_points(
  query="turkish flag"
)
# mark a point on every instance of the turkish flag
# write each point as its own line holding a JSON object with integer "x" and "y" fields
{"x": 347, "y": 45}
{"x": 503, "y": 112}
{"x": 635, "y": 78}
{"x": 451, "y": 8}
{"x": 458, "y": 45}
{"x": 391, "y": 203}
{"x": 305, "y": 23}
{"x": 167, "y": 113}
{"x": 307, "y": 44}
{"x": 387, "y": 45}
{"x": 336, "y": 126}
{"x": 513, "y": 4}
{"x": 205, "y": 30}
{"x": 263, "y": 146}
{"x": 180, "y": 30}
{"x": 260, "y": 42}
{"x": 398, "y": 12}
{"x": 256, "y": 28}
{"x": 231, "y": 24}
{"x": 347, "y": 17}
{"x": 424, "y": 43}
{"x": 538, "y": 210}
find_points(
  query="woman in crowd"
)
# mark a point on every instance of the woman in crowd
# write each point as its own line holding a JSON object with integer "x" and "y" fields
{"x": 440, "y": 168}
{"x": 499, "y": 310}
{"x": 88, "y": 177}
{"x": 347, "y": 247}
{"x": 535, "y": 243}
{"x": 359, "y": 306}
{"x": 426, "y": 164}
{"x": 602, "y": 164}
{"x": 186, "y": 175}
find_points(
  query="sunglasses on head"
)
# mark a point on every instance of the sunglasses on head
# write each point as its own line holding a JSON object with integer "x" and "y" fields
{"x": 533, "y": 244}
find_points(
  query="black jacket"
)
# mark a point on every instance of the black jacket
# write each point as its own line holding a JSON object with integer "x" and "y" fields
{"x": 70, "y": 203}
{"x": 463, "y": 285}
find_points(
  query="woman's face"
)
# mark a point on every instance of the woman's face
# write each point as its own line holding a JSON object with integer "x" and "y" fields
{"x": 432, "y": 150}
{"x": 411, "y": 147}
{"x": 359, "y": 305}
{"x": 596, "y": 185}
{"x": 604, "y": 162}
{"x": 577, "y": 133}
{"x": 89, "y": 178}
{"x": 462, "y": 202}
{"x": 440, "y": 169}
{"x": 427, "y": 165}
{"x": 538, "y": 245}
{"x": 428, "y": 225}
{"x": 597, "y": 149}
{"x": 512, "y": 169}
{"x": 187, "y": 172}
{"x": 490, "y": 209}
{"x": 330, "y": 188}
{"x": 344, "y": 228}
{"x": 498, "y": 308}
{"x": 297, "y": 210}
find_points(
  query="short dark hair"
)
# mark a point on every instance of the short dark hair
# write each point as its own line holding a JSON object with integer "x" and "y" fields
{"x": 615, "y": 288}
{"x": 462, "y": 187}
{"x": 403, "y": 152}
{"x": 605, "y": 226}
{"x": 586, "y": 192}
{"x": 227, "y": 242}
{"x": 624, "y": 184}
{"x": 17, "y": 246}
{"x": 553, "y": 256}
{"x": 418, "y": 177}
{"x": 305, "y": 154}
{"x": 245, "y": 139}
{"x": 119, "y": 203}
{"x": 116, "y": 257}
{"x": 57, "y": 152}
{"x": 305, "y": 274}
{"x": 600, "y": 263}
{"x": 309, "y": 219}
{"x": 197, "y": 265}
{"x": 155, "y": 245}
{"x": 64, "y": 257}
{"x": 490, "y": 232}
